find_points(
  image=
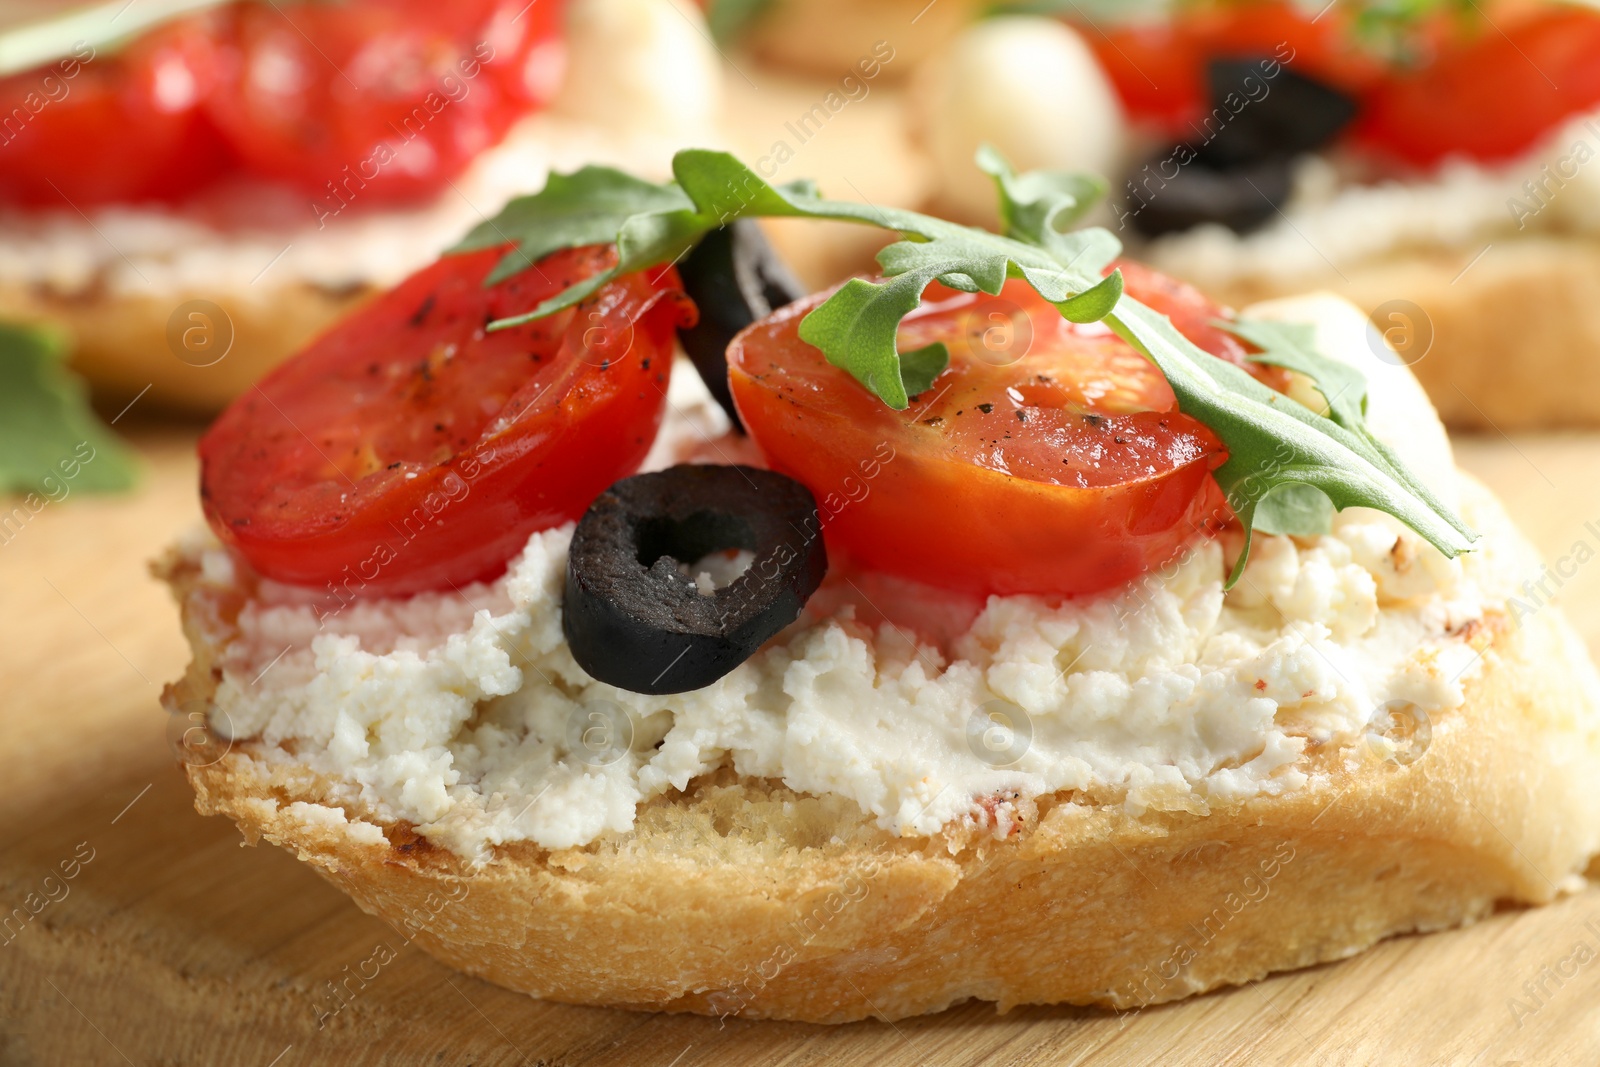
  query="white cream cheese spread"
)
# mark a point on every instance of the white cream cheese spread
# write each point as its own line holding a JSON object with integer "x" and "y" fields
{"x": 466, "y": 715}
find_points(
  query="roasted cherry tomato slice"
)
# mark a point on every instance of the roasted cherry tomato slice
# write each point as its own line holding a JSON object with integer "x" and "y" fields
{"x": 1048, "y": 458}
{"x": 375, "y": 101}
{"x": 408, "y": 450}
{"x": 127, "y": 126}
{"x": 1496, "y": 98}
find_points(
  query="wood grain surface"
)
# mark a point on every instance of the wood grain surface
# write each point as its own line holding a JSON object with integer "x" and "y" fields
{"x": 171, "y": 944}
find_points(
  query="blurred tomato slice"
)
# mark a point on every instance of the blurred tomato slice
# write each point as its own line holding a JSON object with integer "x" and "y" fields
{"x": 378, "y": 102}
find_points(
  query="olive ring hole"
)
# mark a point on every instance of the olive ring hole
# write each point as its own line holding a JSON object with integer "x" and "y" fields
{"x": 686, "y": 543}
{"x": 661, "y": 595}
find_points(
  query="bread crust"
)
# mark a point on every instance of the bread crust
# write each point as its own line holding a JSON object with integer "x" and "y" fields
{"x": 120, "y": 339}
{"x": 1514, "y": 328}
{"x": 743, "y": 897}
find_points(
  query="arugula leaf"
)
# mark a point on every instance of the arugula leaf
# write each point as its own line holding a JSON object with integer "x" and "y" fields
{"x": 920, "y": 366}
{"x": 1040, "y": 203}
{"x": 1344, "y": 389}
{"x": 586, "y": 207}
{"x": 1274, "y": 441}
{"x": 1399, "y": 30}
{"x": 664, "y": 225}
{"x": 726, "y": 18}
{"x": 857, "y": 326}
{"x": 1276, "y": 473}
{"x": 1294, "y": 508}
{"x": 1293, "y": 346}
{"x": 1288, "y": 467}
{"x": 49, "y": 439}
{"x": 862, "y": 319}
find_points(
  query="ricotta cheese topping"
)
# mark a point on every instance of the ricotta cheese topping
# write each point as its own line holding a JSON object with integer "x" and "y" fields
{"x": 466, "y": 715}
{"x": 1334, "y": 221}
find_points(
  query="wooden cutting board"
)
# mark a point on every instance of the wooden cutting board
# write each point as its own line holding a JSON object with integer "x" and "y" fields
{"x": 172, "y": 945}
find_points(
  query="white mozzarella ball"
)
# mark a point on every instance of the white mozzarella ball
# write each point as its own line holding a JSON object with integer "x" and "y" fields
{"x": 643, "y": 65}
{"x": 1028, "y": 85}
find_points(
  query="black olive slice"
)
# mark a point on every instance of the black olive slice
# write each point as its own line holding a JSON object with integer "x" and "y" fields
{"x": 1238, "y": 172}
{"x": 1240, "y": 198}
{"x": 1254, "y": 117}
{"x": 635, "y": 621}
{"x": 734, "y": 277}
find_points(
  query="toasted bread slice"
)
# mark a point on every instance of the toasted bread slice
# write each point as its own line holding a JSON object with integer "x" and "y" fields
{"x": 121, "y": 339}
{"x": 741, "y": 896}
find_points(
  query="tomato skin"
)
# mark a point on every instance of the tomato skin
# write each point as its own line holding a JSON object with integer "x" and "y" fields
{"x": 127, "y": 126}
{"x": 1489, "y": 97}
{"x": 1017, "y": 482}
{"x": 406, "y": 450}
{"x": 1157, "y": 70}
{"x": 243, "y": 90}
{"x": 387, "y": 105}
{"x": 1495, "y": 98}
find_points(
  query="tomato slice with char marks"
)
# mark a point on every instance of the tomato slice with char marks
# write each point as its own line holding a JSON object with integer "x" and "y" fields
{"x": 1048, "y": 458}
{"x": 409, "y": 450}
